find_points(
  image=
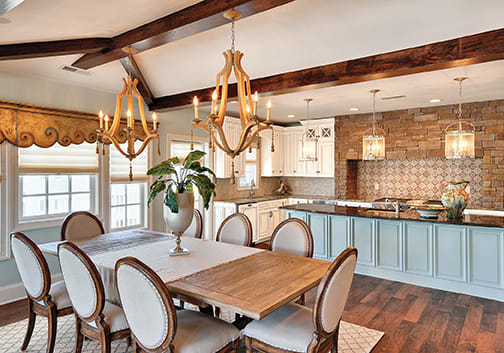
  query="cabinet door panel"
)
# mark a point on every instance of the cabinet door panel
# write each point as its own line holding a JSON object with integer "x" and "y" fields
{"x": 450, "y": 252}
{"x": 251, "y": 212}
{"x": 337, "y": 235}
{"x": 318, "y": 226}
{"x": 326, "y": 158}
{"x": 418, "y": 248}
{"x": 485, "y": 257}
{"x": 297, "y": 214}
{"x": 389, "y": 244}
{"x": 363, "y": 240}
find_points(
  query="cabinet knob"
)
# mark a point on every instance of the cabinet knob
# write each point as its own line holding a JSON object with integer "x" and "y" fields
{"x": 318, "y": 171}
{"x": 236, "y": 172}
{"x": 270, "y": 214}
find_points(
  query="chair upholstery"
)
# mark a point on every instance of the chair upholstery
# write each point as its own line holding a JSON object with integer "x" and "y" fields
{"x": 31, "y": 265}
{"x": 195, "y": 230}
{"x": 289, "y": 328}
{"x": 114, "y": 317}
{"x": 154, "y": 322}
{"x": 295, "y": 328}
{"x": 59, "y": 296}
{"x": 84, "y": 290}
{"x": 292, "y": 236}
{"x": 236, "y": 229}
{"x": 81, "y": 225}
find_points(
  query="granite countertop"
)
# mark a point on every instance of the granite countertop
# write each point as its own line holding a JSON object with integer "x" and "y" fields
{"x": 245, "y": 200}
{"x": 410, "y": 215}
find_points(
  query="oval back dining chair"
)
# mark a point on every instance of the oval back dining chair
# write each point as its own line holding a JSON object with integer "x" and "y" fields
{"x": 45, "y": 299}
{"x": 155, "y": 324}
{"x": 236, "y": 229}
{"x": 294, "y": 237}
{"x": 81, "y": 225}
{"x": 195, "y": 230}
{"x": 96, "y": 319}
{"x": 296, "y": 328}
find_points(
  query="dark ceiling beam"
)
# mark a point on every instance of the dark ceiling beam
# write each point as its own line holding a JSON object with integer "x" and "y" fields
{"x": 142, "y": 85}
{"x": 195, "y": 19}
{"x": 478, "y": 48}
{"x": 53, "y": 48}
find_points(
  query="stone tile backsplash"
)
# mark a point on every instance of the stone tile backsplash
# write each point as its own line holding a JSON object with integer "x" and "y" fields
{"x": 418, "y": 178}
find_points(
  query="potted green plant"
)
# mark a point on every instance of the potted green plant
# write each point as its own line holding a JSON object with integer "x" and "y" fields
{"x": 177, "y": 184}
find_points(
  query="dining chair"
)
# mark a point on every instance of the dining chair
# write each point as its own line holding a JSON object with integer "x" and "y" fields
{"x": 155, "y": 324}
{"x": 44, "y": 299}
{"x": 293, "y": 236}
{"x": 296, "y": 328}
{"x": 235, "y": 229}
{"x": 80, "y": 225}
{"x": 195, "y": 230}
{"x": 96, "y": 319}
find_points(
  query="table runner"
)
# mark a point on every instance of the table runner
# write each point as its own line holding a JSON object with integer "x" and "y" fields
{"x": 204, "y": 254}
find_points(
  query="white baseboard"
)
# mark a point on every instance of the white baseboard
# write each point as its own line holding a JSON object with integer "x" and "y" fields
{"x": 16, "y": 291}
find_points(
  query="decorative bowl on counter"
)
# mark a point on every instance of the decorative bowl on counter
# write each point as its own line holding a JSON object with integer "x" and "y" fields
{"x": 429, "y": 212}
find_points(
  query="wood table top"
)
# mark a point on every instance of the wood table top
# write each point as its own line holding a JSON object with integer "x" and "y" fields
{"x": 253, "y": 286}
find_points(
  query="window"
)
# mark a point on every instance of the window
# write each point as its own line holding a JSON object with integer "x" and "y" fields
{"x": 251, "y": 170}
{"x": 128, "y": 199}
{"x": 127, "y": 205}
{"x": 4, "y": 240}
{"x": 55, "y": 181}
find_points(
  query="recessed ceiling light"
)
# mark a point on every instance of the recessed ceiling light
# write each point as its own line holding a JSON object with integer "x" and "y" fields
{"x": 233, "y": 102}
{"x": 291, "y": 116}
{"x": 354, "y": 109}
{"x": 435, "y": 100}
{"x": 4, "y": 21}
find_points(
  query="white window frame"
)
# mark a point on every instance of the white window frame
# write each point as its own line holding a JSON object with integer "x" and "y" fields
{"x": 147, "y": 215}
{"x": 15, "y": 197}
{"x": 258, "y": 170}
{"x": 4, "y": 223}
{"x": 143, "y": 215}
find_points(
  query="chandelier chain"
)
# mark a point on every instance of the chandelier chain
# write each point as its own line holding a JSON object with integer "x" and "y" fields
{"x": 233, "y": 36}
{"x": 460, "y": 100}
{"x": 374, "y": 112}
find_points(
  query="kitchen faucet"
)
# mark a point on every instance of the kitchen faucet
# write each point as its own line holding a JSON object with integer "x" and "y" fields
{"x": 397, "y": 206}
{"x": 251, "y": 191}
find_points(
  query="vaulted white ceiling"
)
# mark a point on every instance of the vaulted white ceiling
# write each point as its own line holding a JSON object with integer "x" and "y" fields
{"x": 301, "y": 34}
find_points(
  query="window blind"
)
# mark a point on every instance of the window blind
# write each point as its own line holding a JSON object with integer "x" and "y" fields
{"x": 73, "y": 159}
{"x": 119, "y": 164}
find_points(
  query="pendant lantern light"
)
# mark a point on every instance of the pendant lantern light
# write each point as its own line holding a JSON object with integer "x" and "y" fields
{"x": 309, "y": 142}
{"x": 459, "y": 143}
{"x": 373, "y": 141}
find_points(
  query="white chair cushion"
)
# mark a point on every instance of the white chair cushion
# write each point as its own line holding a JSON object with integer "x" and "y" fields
{"x": 234, "y": 231}
{"x": 59, "y": 296}
{"x": 29, "y": 268}
{"x": 114, "y": 317}
{"x": 289, "y": 328}
{"x": 291, "y": 239}
{"x": 81, "y": 227}
{"x": 200, "y": 333}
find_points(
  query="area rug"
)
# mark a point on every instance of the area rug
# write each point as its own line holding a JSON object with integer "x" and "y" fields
{"x": 352, "y": 339}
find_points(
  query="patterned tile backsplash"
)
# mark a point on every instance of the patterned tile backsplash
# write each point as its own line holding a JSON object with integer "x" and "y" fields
{"x": 418, "y": 178}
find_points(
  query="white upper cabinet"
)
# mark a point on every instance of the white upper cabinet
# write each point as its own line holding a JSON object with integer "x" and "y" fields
{"x": 272, "y": 163}
{"x": 223, "y": 162}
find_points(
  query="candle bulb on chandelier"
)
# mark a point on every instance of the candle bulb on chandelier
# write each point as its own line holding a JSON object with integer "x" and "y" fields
{"x": 129, "y": 119}
{"x": 154, "y": 121}
{"x": 100, "y": 115}
{"x": 214, "y": 102}
{"x": 256, "y": 99}
{"x": 106, "y": 118}
{"x": 269, "y": 110}
{"x": 196, "y": 103}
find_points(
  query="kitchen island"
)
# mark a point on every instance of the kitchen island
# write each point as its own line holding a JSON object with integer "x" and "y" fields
{"x": 464, "y": 256}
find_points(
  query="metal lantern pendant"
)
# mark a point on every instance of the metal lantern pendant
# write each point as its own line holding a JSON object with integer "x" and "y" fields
{"x": 373, "y": 141}
{"x": 309, "y": 141}
{"x": 459, "y": 143}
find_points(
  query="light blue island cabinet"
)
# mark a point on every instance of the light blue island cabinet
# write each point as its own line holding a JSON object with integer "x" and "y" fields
{"x": 455, "y": 257}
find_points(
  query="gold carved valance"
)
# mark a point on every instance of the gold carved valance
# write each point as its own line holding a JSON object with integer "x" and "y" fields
{"x": 25, "y": 125}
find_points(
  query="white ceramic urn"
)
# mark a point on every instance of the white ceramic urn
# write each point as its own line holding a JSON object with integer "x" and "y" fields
{"x": 179, "y": 222}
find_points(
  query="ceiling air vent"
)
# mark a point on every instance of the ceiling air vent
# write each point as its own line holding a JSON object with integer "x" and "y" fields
{"x": 75, "y": 70}
{"x": 393, "y": 97}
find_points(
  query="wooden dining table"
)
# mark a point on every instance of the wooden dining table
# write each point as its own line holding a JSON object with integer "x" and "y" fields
{"x": 249, "y": 281}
